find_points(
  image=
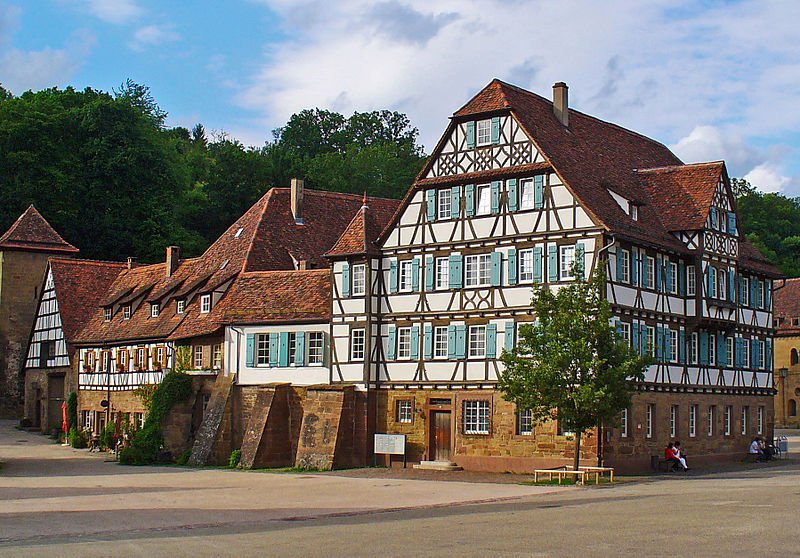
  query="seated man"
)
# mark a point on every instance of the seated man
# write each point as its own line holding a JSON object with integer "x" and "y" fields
{"x": 755, "y": 450}
{"x": 671, "y": 458}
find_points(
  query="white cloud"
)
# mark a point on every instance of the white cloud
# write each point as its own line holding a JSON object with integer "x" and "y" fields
{"x": 114, "y": 11}
{"x": 153, "y": 35}
{"x": 767, "y": 178}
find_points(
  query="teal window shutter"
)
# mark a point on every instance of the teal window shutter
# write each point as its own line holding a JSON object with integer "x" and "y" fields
{"x": 709, "y": 280}
{"x": 618, "y": 259}
{"x": 659, "y": 343}
{"x": 659, "y": 268}
{"x": 491, "y": 341}
{"x": 713, "y": 217}
{"x": 283, "y": 349}
{"x": 703, "y": 356}
{"x": 511, "y": 183}
{"x": 345, "y": 279}
{"x": 509, "y": 339}
{"x": 634, "y": 268}
{"x": 768, "y": 294}
{"x": 738, "y": 355}
{"x": 451, "y": 342}
{"x": 618, "y": 328}
{"x": 645, "y": 273}
{"x": 273, "y": 349}
{"x": 431, "y": 205}
{"x": 538, "y": 192}
{"x": 731, "y": 284}
{"x": 251, "y": 350}
{"x": 580, "y": 258}
{"x": 428, "y": 342}
{"x": 461, "y": 341}
{"x": 497, "y": 264}
{"x": 682, "y": 347}
{"x": 415, "y": 274}
{"x": 469, "y": 201}
{"x": 722, "y": 348}
{"x": 753, "y": 353}
{"x": 537, "y": 264}
{"x": 681, "y": 278}
{"x": 667, "y": 334}
{"x": 495, "y": 197}
{"x": 393, "y": 276}
{"x": 768, "y": 356}
{"x": 391, "y": 344}
{"x": 752, "y": 292}
{"x": 455, "y": 270}
{"x": 430, "y": 270}
{"x": 470, "y": 135}
{"x": 643, "y": 338}
{"x": 732, "y": 222}
{"x": 496, "y": 130}
{"x": 512, "y": 266}
{"x": 415, "y": 343}
{"x": 300, "y": 349}
{"x": 635, "y": 336}
{"x": 455, "y": 202}
{"x": 668, "y": 272}
{"x": 552, "y": 263}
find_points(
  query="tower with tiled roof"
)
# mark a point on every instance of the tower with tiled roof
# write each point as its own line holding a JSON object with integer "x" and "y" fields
{"x": 24, "y": 250}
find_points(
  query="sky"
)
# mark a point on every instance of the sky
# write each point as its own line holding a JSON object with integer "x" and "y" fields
{"x": 711, "y": 79}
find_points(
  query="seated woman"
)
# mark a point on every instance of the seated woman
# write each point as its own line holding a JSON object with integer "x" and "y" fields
{"x": 755, "y": 450}
{"x": 669, "y": 456}
{"x": 680, "y": 455}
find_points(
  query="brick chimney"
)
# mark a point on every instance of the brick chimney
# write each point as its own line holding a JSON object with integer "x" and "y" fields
{"x": 131, "y": 263}
{"x": 173, "y": 257}
{"x": 561, "y": 102}
{"x": 297, "y": 200}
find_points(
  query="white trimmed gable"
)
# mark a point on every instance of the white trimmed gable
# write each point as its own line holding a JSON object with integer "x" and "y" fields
{"x": 47, "y": 331}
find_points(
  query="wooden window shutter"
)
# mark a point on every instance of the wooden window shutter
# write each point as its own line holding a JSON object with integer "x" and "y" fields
{"x": 283, "y": 348}
{"x": 469, "y": 200}
{"x": 495, "y": 197}
{"x": 273, "y": 349}
{"x": 428, "y": 342}
{"x": 703, "y": 352}
{"x": 512, "y": 266}
{"x": 431, "y": 202}
{"x": 681, "y": 279}
{"x": 659, "y": 343}
{"x": 206, "y": 357}
{"x": 391, "y": 343}
{"x": 634, "y": 268}
{"x": 496, "y": 130}
{"x": 635, "y": 336}
{"x": 415, "y": 342}
{"x": 511, "y": 184}
{"x": 415, "y": 274}
{"x": 455, "y": 202}
{"x": 552, "y": 264}
{"x": 538, "y": 192}
{"x": 455, "y": 271}
{"x": 451, "y": 342}
{"x": 393, "y": 276}
{"x": 509, "y": 337}
{"x": 461, "y": 341}
{"x": 251, "y": 350}
{"x": 470, "y": 135}
{"x": 580, "y": 258}
{"x": 495, "y": 271}
{"x": 537, "y": 264}
{"x": 682, "y": 346}
{"x": 659, "y": 267}
{"x": 618, "y": 258}
{"x": 300, "y": 348}
{"x": 722, "y": 347}
{"x": 345, "y": 279}
{"x": 491, "y": 340}
{"x": 430, "y": 271}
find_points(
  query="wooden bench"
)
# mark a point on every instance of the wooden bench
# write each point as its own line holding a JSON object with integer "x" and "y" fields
{"x": 561, "y": 473}
{"x": 598, "y": 472}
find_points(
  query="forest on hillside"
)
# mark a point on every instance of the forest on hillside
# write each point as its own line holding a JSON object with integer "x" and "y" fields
{"x": 114, "y": 180}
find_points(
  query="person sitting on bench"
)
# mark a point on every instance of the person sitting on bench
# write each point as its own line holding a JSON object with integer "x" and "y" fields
{"x": 680, "y": 455}
{"x": 669, "y": 457}
{"x": 755, "y": 450}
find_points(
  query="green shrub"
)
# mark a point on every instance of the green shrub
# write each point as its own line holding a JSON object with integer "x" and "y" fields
{"x": 235, "y": 458}
{"x": 107, "y": 435}
{"x": 183, "y": 458}
{"x": 77, "y": 439}
{"x": 72, "y": 410}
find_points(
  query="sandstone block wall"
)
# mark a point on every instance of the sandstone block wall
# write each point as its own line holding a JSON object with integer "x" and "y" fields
{"x": 787, "y": 401}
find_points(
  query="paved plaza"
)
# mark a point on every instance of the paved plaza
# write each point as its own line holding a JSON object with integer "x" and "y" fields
{"x": 56, "y": 501}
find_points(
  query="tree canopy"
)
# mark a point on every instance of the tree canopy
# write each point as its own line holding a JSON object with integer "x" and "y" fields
{"x": 570, "y": 365}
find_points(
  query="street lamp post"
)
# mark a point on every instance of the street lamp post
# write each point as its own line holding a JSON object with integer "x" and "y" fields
{"x": 783, "y": 372}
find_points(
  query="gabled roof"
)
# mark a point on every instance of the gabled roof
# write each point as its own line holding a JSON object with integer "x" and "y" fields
{"x": 751, "y": 258}
{"x": 32, "y": 232}
{"x": 360, "y": 235}
{"x": 79, "y": 286}
{"x": 786, "y": 306}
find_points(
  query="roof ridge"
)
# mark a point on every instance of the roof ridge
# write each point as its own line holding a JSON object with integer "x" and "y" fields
{"x": 334, "y": 194}
{"x": 266, "y": 272}
{"x": 681, "y": 166}
{"x": 55, "y": 244}
{"x": 81, "y": 261}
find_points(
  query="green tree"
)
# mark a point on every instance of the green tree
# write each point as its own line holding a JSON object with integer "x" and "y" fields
{"x": 570, "y": 365}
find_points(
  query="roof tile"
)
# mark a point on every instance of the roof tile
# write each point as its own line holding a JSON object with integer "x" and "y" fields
{"x": 32, "y": 232}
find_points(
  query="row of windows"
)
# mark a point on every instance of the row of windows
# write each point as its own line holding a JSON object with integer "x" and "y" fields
{"x": 199, "y": 356}
{"x": 287, "y": 348}
{"x": 722, "y": 220}
{"x": 444, "y": 342}
{"x": 693, "y": 425}
{"x": 155, "y": 308}
{"x": 140, "y": 358}
{"x": 485, "y": 199}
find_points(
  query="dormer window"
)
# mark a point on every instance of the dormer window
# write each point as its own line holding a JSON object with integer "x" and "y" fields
{"x": 484, "y": 135}
{"x": 205, "y": 304}
{"x": 126, "y": 312}
{"x": 106, "y": 314}
{"x": 224, "y": 264}
{"x": 155, "y": 309}
{"x": 238, "y": 232}
{"x": 634, "y": 212}
{"x": 181, "y": 306}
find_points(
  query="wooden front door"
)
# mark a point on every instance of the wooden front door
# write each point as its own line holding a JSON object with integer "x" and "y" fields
{"x": 55, "y": 397}
{"x": 440, "y": 435}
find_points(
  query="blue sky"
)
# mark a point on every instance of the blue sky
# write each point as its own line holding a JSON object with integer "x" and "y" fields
{"x": 713, "y": 80}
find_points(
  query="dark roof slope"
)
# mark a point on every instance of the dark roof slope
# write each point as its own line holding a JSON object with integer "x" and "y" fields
{"x": 786, "y": 304}
{"x": 32, "y": 232}
{"x": 360, "y": 235}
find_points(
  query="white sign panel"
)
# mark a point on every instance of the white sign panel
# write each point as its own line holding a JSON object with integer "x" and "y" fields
{"x": 393, "y": 444}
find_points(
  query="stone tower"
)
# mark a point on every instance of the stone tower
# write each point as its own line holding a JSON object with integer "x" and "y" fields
{"x": 24, "y": 251}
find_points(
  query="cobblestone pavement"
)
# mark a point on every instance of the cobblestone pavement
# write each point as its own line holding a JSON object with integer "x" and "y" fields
{"x": 57, "y": 501}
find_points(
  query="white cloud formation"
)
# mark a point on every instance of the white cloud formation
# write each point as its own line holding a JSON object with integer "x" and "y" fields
{"x": 767, "y": 178}
{"x": 153, "y": 35}
{"x": 114, "y": 11}
{"x": 679, "y": 72}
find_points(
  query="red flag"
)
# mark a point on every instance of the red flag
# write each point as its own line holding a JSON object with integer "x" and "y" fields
{"x": 64, "y": 421}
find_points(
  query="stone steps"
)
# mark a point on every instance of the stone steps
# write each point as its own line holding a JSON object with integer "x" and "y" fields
{"x": 438, "y": 466}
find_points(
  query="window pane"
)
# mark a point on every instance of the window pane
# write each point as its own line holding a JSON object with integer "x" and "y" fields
{"x": 445, "y": 203}
{"x": 526, "y": 194}
{"x": 484, "y": 200}
{"x": 477, "y": 341}
{"x": 440, "y": 342}
{"x": 315, "y": 346}
{"x": 526, "y": 266}
{"x": 442, "y": 273}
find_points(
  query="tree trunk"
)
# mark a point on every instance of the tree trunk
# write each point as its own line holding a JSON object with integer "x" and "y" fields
{"x": 577, "y": 449}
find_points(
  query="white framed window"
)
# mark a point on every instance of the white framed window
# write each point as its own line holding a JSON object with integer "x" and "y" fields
{"x": 651, "y": 340}
{"x": 181, "y": 306}
{"x": 650, "y": 416}
{"x": 524, "y": 422}
{"x": 216, "y": 356}
{"x": 484, "y": 132}
{"x": 126, "y": 312}
{"x": 634, "y": 212}
{"x": 729, "y": 358}
{"x": 478, "y": 270}
{"x": 625, "y": 328}
{"x": 722, "y": 283}
{"x": 442, "y": 273}
{"x": 672, "y": 286}
{"x": 760, "y": 419}
{"x": 623, "y": 432}
{"x": 359, "y": 279}
{"x": 262, "y": 349}
{"x": 626, "y": 266}
{"x": 316, "y": 348}
{"x": 358, "y": 339}
{"x": 690, "y": 280}
{"x": 444, "y": 205}
{"x": 673, "y": 345}
{"x": 484, "y": 206}
{"x": 693, "y": 349}
{"x": 692, "y": 421}
{"x": 567, "y": 259}
{"x": 526, "y": 195}
{"x": 762, "y": 358}
{"x": 141, "y": 358}
{"x": 197, "y": 356}
{"x": 651, "y": 272}
{"x": 160, "y": 360}
{"x": 292, "y": 348}
{"x": 123, "y": 359}
{"x": 107, "y": 314}
{"x": 477, "y": 341}
{"x": 406, "y": 270}
{"x": 746, "y": 352}
{"x": 205, "y": 304}
{"x": 745, "y": 291}
{"x": 526, "y": 266}
{"x": 727, "y": 422}
{"x": 745, "y": 412}
{"x": 712, "y": 349}
{"x": 404, "y": 411}
{"x": 155, "y": 309}
{"x": 89, "y": 359}
{"x": 475, "y": 416}
{"x": 403, "y": 342}
{"x": 712, "y": 412}
{"x": 440, "y": 342}
{"x": 673, "y": 421}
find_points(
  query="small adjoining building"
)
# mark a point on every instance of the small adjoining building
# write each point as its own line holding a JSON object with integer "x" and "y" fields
{"x": 787, "y": 353}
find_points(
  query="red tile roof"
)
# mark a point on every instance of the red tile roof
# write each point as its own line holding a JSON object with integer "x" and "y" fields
{"x": 32, "y": 232}
{"x": 360, "y": 235}
{"x": 786, "y": 306}
{"x": 80, "y": 285}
